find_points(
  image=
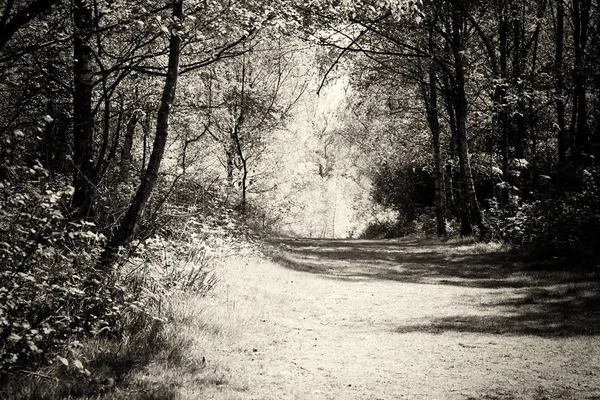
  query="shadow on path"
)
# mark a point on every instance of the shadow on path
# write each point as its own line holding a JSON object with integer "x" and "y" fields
{"x": 559, "y": 311}
{"x": 533, "y": 298}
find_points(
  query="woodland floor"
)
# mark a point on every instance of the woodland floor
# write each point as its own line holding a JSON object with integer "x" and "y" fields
{"x": 407, "y": 319}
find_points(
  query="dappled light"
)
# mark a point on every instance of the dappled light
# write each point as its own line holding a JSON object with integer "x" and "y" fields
{"x": 529, "y": 298}
{"x": 414, "y": 260}
{"x": 554, "y": 311}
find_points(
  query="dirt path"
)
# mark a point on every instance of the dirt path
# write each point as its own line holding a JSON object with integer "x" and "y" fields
{"x": 404, "y": 320}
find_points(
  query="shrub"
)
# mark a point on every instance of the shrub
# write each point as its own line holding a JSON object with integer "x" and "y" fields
{"x": 560, "y": 223}
{"x": 50, "y": 285}
{"x": 387, "y": 230}
{"x": 426, "y": 222}
{"x": 54, "y": 296}
{"x": 408, "y": 189}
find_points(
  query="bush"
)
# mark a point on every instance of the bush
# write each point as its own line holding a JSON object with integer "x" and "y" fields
{"x": 560, "y": 223}
{"x": 408, "y": 189}
{"x": 387, "y": 230}
{"x": 54, "y": 293}
{"x": 426, "y": 223}
{"x": 56, "y": 298}
{"x": 77, "y": 326}
{"x": 50, "y": 285}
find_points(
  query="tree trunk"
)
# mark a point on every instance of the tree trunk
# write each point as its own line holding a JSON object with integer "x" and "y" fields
{"x": 454, "y": 203}
{"x": 106, "y": 116}
{"x": 48, "y": 146}
{"x": 146, "y": 129}
{"x": 83, "y": 119}
{"x": 461, "y": 111}
{"x": 60, "y": 142}
{"x": 558, "y": 65}
{"x": 596, "y": 137}
{"x": 230, "y": 151}
{"x": 244, "y": 183}
{"x": 581, "y": 17}
{"x": 55, "y": 145}
{"x": 236, "y": 136}
{"x": 532, "y": 121}
{"x": 430, "y": 97}
{"x": 500, "y": 97}
{"x": 518, "y": 127}
{"x": 127, "y": 145}
{"x": 466, "y": 179}
{"x": 127, "y": 227}
{"x": 112, "y": 151}
{"x": 449, "y": 186}
{"x": 594, "y": 60}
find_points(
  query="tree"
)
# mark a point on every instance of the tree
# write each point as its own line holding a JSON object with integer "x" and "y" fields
{"x": 250, "y": 98}
{"x": 84, "y": 173}
{"x": 127, "y": 225}
{"x": 449, "y": 21}
{"x": 430, "y": 97}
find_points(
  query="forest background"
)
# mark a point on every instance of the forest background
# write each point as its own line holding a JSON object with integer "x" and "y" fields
{"x": 132, "y": 132}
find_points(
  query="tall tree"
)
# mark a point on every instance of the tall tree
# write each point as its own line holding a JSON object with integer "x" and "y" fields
{"x": 430, "y": 96}
{"x": 579, "y": 121}
{"x": 84, "y": 174}
{"x": 127, "y": 226}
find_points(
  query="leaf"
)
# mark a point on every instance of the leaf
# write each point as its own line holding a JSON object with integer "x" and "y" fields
{"x": 63, "y": 360}
{"x": 77, "y": 364}
{"x": 13, "y": 337}
{"x": 76, "y": 291}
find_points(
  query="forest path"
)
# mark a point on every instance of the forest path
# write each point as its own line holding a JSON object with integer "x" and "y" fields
{"x": 339, "y": 319}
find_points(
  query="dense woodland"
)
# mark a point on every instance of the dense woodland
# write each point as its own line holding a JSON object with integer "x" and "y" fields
{"x": 129, "y": 128}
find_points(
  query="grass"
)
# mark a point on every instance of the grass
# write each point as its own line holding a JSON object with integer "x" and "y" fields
{"x": 110, "y": 363}
{"x": 150, "y": 358}
{"x": 212, "y": 328}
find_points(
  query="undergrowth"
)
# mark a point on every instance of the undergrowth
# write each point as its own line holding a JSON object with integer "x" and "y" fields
{"x": 72, "y": 328}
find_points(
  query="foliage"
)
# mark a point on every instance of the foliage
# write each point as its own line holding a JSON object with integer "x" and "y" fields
{"x": 505, "y": 96}
{"x": 386, "y": 230}
{"x": 407, "y": 189}
{"x": 560, "y": 223}
{"x": 50, "y": 286}
{"x": 53, "y": 291}
{"x": 180, "y": 262}
{"x": 521, "y": 78}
